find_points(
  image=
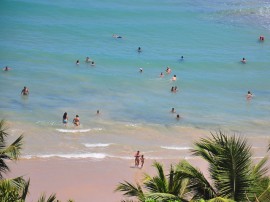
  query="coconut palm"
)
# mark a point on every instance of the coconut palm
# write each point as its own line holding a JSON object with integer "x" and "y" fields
{"x": 10, "y": 189}
{"x": 160, "y": 187}
{"x": 232, "y": 172}
{"x": 8, "y": 152}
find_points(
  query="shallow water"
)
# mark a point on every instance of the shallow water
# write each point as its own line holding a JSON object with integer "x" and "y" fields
{"x": 41, "y": 42}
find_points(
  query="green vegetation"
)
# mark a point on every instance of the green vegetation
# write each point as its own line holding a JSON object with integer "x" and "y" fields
{"x": 16, "y": 189}
{"x": 233, "y": 176}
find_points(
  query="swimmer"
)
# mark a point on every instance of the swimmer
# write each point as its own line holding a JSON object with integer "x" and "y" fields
{"x": 161, "y": 75}
{"x": 116, "y": 36}
{"x": 244, "y": 61}
{"x": 76, "y": 120}
{"x": 178, "y": 117}
{"x": 139, "y": 49}
{"x": 249, "y": 95}
{"x": 65, "y": 118}
{"x": 172, "y": 89}
{"x": 141, "y": 70}
{"x": 25, "y": 91}
{"x": 172, "y": 111}
{"x": 98, "y": 112}
{"x": 93, "y": 63}
{"x": 175, "y": 89}
{"x": 6, "y": 68}
{"x": 88, "y": 60}
{"x": 168, "y": 70}
{"x": 261, "y": 38}
{"x": 77, "y": 62}
{"x": 174, "y": 78}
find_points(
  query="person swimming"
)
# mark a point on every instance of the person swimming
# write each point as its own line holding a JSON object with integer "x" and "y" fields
{"x": 174, "y": 78}
{"x": 25, "y": 91}
{"x": 261, "y": 38}
{"x": 139, "y": 49}
{"x": 141, "y": 70}
{"x": 173, "y": 110}
{"x": 116, "y": 36}
{"x": 161, "y": 74}
{"x": 77, "y": 62}
{"x": 168, "y": 70}
{"x": 88, "y": 60}
{"x": 244, "y": 61}
{"x": 93, "y": 63}
{"x": 6, "y": 68}
{"x": 249, "y": 95}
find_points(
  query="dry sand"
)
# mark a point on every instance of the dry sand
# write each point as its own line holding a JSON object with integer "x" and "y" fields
{"x": 82, "y": 180}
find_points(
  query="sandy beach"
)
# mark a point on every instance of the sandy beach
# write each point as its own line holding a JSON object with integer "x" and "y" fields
{"x": 82, "y": 180}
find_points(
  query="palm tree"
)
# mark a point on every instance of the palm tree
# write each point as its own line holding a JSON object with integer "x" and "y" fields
{"x": 164, "y": 188}
{"x": 11, "y": 152}
{"x": 231, "y": 170}
{"x": 10, "y": 189}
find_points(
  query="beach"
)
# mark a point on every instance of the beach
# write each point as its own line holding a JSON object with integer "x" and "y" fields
{"x": 82, "y": 180}
{"x": 49, "y": 47}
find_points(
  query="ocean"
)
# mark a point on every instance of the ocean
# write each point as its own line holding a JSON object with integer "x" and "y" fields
{"x": 42, "y": 40}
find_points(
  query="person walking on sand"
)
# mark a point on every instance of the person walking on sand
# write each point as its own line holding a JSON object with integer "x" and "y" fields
{"x": 137, "y": 158}
{"x": 76, "y": 120}
{"x": 142, "y": 160}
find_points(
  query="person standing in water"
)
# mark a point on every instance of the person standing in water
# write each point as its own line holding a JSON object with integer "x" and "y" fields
{"x": 76, "y": 120}
{"x": 25, "y": 91}
{"x": 249, "y": 95}
{"x": 65, "y": 118}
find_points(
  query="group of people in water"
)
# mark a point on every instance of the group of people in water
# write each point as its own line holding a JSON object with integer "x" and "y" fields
{"x": 76, "y": 120}
{"x": 87, "y": 60}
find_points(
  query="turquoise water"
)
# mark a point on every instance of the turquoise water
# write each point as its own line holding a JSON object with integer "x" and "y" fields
{"x": 41, "y": 42}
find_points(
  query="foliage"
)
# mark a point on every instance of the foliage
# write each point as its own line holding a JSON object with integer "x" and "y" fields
{"x": 233, "y": 175}
{"x": 161, "y": 187}
{"x": 14, "y": 190}
{"x": 231, "y": 169}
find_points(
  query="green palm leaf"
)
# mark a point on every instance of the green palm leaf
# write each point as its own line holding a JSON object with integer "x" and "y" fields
{"x": 163, "y": 197}
{"x": 198, "y": 184}
{"x": 229, "y": 161}
{"x": 131, "y": 190}
{"x": 265, "y": 196}
{"x": 11, "y": 152}
{"x": 51, "y": 198}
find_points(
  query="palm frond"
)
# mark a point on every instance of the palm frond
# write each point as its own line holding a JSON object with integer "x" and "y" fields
{"x": 162, "y": 196}
{"x": 51, "y": 198}
{"x": 25, "y": 190}
{"x": 157, "y": 183}
{"x": 265, "y": 196}
{"x": 220, "y": 199}
{"x": 3, "y": 130}
{"x": 197, "y": 181}
{"x": 13, "y": 151}
{"x": 131, "y": 190}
